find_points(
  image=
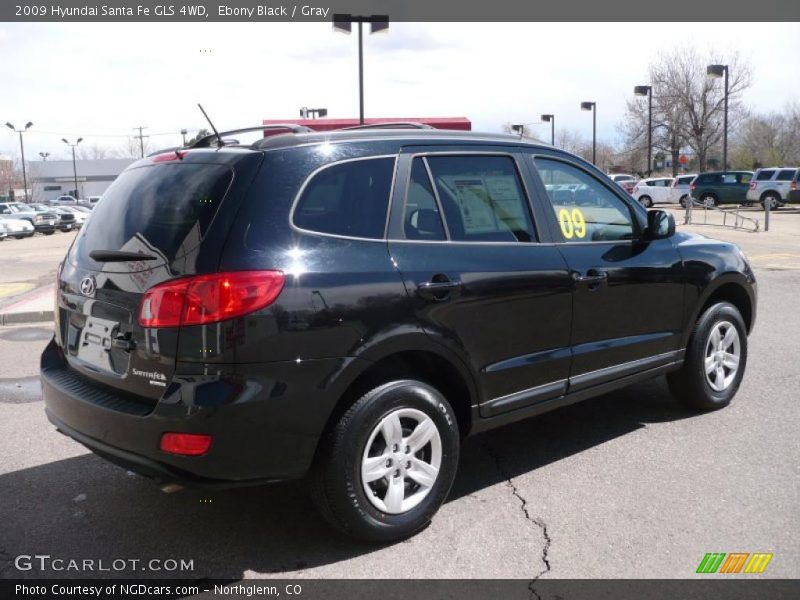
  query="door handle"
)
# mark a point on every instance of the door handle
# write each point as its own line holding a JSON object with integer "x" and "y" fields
{"x": 439, "y": 290}
{"x": 592, "y": 277}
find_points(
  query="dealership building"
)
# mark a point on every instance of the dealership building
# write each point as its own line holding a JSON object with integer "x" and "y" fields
{"x": 50, "y": 179}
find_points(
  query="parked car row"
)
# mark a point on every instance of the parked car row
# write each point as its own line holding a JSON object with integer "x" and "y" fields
{"x": 775, "y": 185}
{"x": 20, "y": 220}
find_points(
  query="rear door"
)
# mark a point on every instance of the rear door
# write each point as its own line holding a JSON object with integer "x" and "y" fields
{"x": 148, "y": 229}
{"x": 628, "y": 294}
{"x": 480, "y": 273}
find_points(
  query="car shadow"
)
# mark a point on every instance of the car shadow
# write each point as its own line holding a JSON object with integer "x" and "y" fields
{"x": 84, "y": 507}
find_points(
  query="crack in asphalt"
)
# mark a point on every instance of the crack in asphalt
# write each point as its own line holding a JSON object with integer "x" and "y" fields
{"x": 545, "y": 558}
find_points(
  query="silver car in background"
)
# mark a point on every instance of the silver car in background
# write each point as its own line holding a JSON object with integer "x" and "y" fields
{"x": 774, "y": 185}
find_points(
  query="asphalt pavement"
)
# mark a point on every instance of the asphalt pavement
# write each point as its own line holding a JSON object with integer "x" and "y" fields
{"x": 627, "y": 485}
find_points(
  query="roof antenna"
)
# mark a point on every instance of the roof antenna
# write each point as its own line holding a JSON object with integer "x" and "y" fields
{"x": 214, "y": 129}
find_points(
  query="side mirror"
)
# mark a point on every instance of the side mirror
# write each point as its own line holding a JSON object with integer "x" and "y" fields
{"x": 660, "y": 225}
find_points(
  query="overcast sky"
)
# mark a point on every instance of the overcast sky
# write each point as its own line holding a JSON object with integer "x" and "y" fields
{"x": 101, "y": 80}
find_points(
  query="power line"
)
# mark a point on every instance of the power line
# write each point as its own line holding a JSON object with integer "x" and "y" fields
{"x": 141, "y": 137}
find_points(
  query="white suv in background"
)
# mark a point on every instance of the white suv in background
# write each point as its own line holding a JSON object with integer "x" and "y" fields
{"x": 773, "y": 185}
{"x": 651, "y": 191}
{"x": 680, "y": 190}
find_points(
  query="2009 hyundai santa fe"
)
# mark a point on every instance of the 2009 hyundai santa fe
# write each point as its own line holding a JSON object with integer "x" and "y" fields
{"x": 349, "y": 306}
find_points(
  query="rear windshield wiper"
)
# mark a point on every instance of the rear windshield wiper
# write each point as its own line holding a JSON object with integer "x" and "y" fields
{"x": 119, "y": 256}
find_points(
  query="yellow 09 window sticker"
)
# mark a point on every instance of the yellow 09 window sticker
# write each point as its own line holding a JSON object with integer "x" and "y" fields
{"x": 573, "y": 223}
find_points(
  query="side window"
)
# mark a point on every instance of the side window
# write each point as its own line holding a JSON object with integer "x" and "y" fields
{"x": 421, "y": 218}
{"x": 482, "y": 198}
{"x": 586, "y": 210}
{"x": 745, "y": 178}
{"x": 729, "y": 178}
{"x": 349, "y": 198}
{"x": 765, "y": 175}
{"x": 785, "y": 175}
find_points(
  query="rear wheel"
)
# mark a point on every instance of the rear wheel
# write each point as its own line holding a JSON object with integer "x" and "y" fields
{"x": 773, "y": 200}
{"x": 683, "y": 200}
{"x": 715, "y": 360}
{"x": 388, "y": 464}
{"x": 49, "y": 232}
{"x": 709, "y": 200}
{"x": 646, "y": 201}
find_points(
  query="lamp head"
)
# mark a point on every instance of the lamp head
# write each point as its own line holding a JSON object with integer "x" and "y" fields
{"x": 28, "y": 125}
{"x": 78, "y": 141}
{"x": 642, "y": 90}
{"x": 10, "y": 126}
{"x": 65, "y": 141}
{"x": 518, "y": 128}
{"x": 587, "y": 105}
{"x": 322, "y": 112}
{"x": 547, "y": 118}
{"x": 379, "y": 24}
{"x": 716, "y": 71}
{"x": 342, "y": 23}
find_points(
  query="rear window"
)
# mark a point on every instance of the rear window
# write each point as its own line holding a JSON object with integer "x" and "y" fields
{"x": 709, "y": 178}
{"x": 764, "y": 175}
{"x": 786, "y": 175}
{"x": 685, "y": 180}
{"x": 162, "y": 210}
{"x": 349, "y": 199}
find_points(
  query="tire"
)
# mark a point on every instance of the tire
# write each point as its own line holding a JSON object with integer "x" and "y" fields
{"x": 708, "y": 200}
{"x": 20, "y": 237}
{"x": 773, "y": 199}
{"x": 692, "y": 385}
{"x": 49, "y": 232}
{"x": 646, "y": 201}
{"x": 337, "y": 484}
{"x": 682, "y": 201}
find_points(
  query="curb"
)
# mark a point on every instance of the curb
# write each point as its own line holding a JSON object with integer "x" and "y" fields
{"x": 26, "y": 317}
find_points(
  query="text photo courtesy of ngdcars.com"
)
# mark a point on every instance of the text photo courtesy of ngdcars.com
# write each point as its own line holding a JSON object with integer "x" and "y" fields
{"x": 395, "y": 312}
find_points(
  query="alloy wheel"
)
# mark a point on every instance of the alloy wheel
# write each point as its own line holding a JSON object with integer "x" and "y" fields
{"x": 722, "y": 355}
{"x": 401, "y": 460}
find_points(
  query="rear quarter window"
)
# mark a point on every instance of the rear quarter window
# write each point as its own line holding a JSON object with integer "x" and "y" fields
{"x": 785, "y": 175}
{"x": 349, "y": 199}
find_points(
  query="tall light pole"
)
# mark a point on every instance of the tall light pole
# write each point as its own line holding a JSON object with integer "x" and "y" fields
{"x": 520, "y": 129}
{"x": 343, "y": 23}
{"x": 183, "y": 135}
{"x": 552, "y": 120}
{"x": 717, "y": 71}
{"x": 647, "y": 90}
{"x": 28, "y": 125}
{"x": 74, "y": 168}
{"x": 592, "y": 106}
{"x": 44, "y": 155}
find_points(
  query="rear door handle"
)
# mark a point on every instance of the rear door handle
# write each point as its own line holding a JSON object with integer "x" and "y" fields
{"x": 593, "y": 276}
{"x": 439, "y": 290}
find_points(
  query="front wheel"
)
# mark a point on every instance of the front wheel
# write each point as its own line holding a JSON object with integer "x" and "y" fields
{"x": 49, "y": 232}
{"x": 646, "y": 201}
{"x": 715, "y": 360}
{"x": 388, "y": 464}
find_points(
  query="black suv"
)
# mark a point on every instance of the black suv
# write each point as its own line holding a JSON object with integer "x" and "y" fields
{"x": 350, "y": 305}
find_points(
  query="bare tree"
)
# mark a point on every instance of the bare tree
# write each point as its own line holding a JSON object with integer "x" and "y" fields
{"x": 687, "y": 105}
{"x": 768, "y": 139}
{"x": 132, "y": 148}
{"x": 93, "y": 152}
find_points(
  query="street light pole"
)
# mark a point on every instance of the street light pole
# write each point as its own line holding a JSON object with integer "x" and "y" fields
{"x": 647, "y": 90}
{"x": 592, "y": 106}
{"x": 183, "y": 134}
{"x": 74, "y": 167}
{"x": 722, "y": 71}
{"x": 552, "y": 120}
{"x": 28, "y": 125}
{"x": 344, "y": 23}
{"x": 44, "y": 155}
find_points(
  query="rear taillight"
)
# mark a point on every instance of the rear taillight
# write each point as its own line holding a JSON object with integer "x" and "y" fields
{"x": 693, "y": 187}
{"x": 753, "y": 185}
{"x": 187, "y": 444}
{"x": 794, "y": 186}
{"x": 209, "y": 298}
{"x": 168, "y": 156}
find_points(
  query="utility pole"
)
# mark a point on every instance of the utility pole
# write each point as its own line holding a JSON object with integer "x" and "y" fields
{"x": 141, "y": 138}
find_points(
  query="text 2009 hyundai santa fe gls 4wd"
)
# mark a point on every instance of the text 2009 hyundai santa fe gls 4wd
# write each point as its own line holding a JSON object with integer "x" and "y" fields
{"x": 349, "y": 306}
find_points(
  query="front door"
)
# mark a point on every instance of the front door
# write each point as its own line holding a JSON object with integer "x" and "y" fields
{"x": 628, "y": 294}
{"x": 464, "y": 237}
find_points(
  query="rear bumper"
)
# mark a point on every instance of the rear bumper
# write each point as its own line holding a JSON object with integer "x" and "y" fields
{"x": 265, "y": 419}
{"x": 42, "y": 227}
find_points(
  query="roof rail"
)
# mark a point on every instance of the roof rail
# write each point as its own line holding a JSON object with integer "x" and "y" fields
{"x": 208, "y": 140}
{"x": 390, "y": 125}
